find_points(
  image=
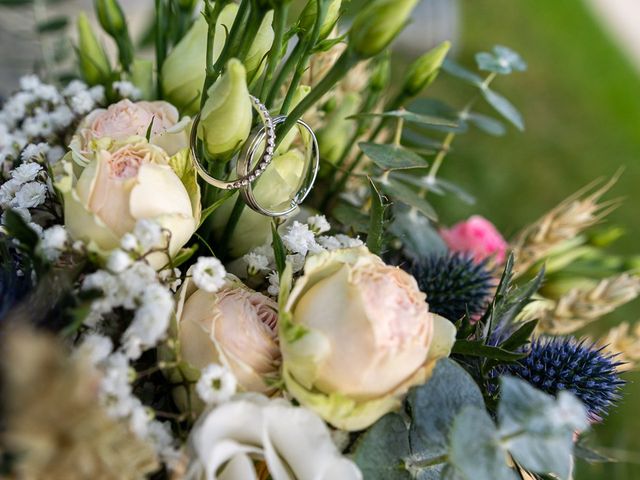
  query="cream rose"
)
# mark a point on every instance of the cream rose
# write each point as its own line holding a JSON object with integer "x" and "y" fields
{"x": 126, "y": 181}
{"x": 126, "y": 119}
{"x": 235, "y": 326}
{"x": 355, "y": 335}
{"x": 232, "y": 441}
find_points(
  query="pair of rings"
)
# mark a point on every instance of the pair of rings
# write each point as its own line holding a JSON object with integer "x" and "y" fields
{"x": 248, "y": 169}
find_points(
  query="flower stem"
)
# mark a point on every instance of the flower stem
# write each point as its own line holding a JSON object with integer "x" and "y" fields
{"x": 212, "y": 18}
{"x": 161, "y": 44}
{"x": 281, "y": 14}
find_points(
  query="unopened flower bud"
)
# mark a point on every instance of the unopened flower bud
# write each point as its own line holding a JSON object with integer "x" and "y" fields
{"x": 142, "y": 77}
{"x": 94, "y": 63}
{"x": 310, "y": 12}
{"x": 380, "y": 75}
{"x": 425, "y": 69}
{"x": 111, "y": 17}
{"x": 225, "y": 120}
{"x": 375, "y": 27}
{"x": 262, "y": 43}
{"x": 338, "y": 128}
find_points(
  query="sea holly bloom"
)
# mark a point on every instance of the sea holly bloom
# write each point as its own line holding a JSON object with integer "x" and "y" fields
{"x": 478, "y": 237}
{"x": 120, "y": 185}
{"x": 235, "y": 327}
{"x": 355, "y": 335}
{"x": 125, "y": 119}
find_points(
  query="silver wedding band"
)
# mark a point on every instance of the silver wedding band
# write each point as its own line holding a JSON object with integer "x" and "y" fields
{"x": 249, "y": 170}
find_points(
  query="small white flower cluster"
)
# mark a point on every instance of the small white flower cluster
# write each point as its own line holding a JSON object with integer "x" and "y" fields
{"x": 147, "y": 235}
{"x": 54, "y": 241}
{"x": 216, "y": 384}
{"x": 39, "y": 111}
{"x": 127, "y": 90}
{"x": 132, "y": 285}
{"x": 116, "y": 395}
{"x": 300, "y": 240}
{"x": 209, "y": 274}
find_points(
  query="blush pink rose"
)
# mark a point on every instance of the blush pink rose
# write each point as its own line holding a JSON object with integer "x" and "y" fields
{"x": 478, "y": 237}
{"x": 126, "y": 119}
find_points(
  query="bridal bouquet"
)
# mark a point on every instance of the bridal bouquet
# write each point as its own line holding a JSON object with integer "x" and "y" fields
{"x": 220, "y": 261}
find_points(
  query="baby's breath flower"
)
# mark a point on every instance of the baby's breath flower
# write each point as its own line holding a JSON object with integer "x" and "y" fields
{"x": 256, "y": 263}
{"x": 118, "y": 261}
{"x": 149, "y": 234}
{"x": 209, "y": 274}
{"x": 299, "y": 238}
{"x": 26, "y": 172}
{"x": 318, "y": 224}
{"x": 54, "y": 241}
{"x": 34, "y": 151}
{"x": 129, "y": 242}
{"x": 216, "y": 384}
{"x": 82, "y": 102}
{"x": 274, "y": 284}
{"x": 31, "y": 195}
{"x": 95, "y": 348}
{"x": 127, "y": 90}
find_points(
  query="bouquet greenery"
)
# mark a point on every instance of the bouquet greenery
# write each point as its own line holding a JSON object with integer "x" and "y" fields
{"x": 222, "y": 262}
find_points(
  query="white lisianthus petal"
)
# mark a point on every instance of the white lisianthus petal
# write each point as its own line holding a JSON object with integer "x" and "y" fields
{"x": 239, "y": 467}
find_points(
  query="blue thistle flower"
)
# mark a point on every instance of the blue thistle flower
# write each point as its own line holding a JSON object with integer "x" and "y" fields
{"x": 454, "y": 283}
{"x": 563, "y": 363}
{"x": 13, "y": 285}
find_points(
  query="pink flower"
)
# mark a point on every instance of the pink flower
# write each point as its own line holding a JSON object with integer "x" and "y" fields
{"x": 478, "y": 237}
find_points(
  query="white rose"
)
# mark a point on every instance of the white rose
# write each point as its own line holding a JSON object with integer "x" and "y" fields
{"x": 230, "y": 442}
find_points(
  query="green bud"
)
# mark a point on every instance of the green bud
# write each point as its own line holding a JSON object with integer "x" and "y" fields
{"x": 225, "y": 120}
{"x": 187, "y": 5}
{"x": 380, "y": 75}
{"x": 183, "y": 71}
{"x": 425, "y": 69}
{"x": 94, "y": 63}
{"x": 111, "y": 17}
{"x": 338, "y": 129}
{"x": 142, "y": 77}
{"x": 375, "y": 27}
{"x": 262, "y": 43}
{"x": 310, "y": 12}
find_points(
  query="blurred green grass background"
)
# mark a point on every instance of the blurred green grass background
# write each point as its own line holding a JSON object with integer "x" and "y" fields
{"x": 580, "y": 99}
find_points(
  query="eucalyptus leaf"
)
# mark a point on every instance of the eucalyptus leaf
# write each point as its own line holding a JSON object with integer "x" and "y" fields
{"x": 380, "y": 451}
{"x": 458, "y": 71}
{"x": 417, "y": 234}
{"x": 412, "y": 117}
{"x": 504, "y": 107}
{"x": 434, "y": 405}
{"x": 389, "y": 157}
{"x": 351, "y": 217}
{"x": 486, "y": 124}
{"x": 475, "y": 450}
{"x": 405, "y": 194}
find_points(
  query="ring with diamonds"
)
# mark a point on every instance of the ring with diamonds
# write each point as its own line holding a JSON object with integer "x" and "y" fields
{"x": 268, "y": 135}
{"x": 305, "y": 183}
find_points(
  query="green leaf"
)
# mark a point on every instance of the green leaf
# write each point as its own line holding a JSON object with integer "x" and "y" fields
{"x": 590, "y": 454}
{"x": 486, "y": 124}
{"x": 479, "y": 349}
{"x": 381, "y": 450}
{"x": 278, "y": 249}
{"x": 184, "y": 255}
{"x": 520, "y": 337}
{"x": 446, "y": 186}
{"x": 376, "y": 222}
{"x": 390, "y": 157}
{"x": 458, "y": 71}
{"x": 475, "y": 449}
{"x": 412, "y": 117}
{"x": 503, "y": 60}
{"x": 504, "y": 107}
{"x": 406, "y": 195}
{"x": 54, "y": 24}
{"x": 351, "y": 217}
{"x": 14, "y": 3}
{"x": 434, "y": 405}
{"x": 416, "y": 233}
{"x": 18, "y": 228}
{"x": 215, "y": 205}
{"x": 150, "y": 129}
{"x": 537, "y": 428}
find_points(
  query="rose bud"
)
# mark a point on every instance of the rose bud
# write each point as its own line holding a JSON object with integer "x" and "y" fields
{"x": 375, "y": 27}
{"x": 94, "y": 63}
{"x": 355, "y": 335}
{"x": 478, "y": 237}
{"x": 126, "y": 119}
{"x": 235, "y": 326}
{"x": 225, "y": 120}
{"x": 120, "y": 186}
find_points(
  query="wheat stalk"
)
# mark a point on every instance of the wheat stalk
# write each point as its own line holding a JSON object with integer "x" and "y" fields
{"x": 582, "y": 306}
{"x": 624, "y": 342}
{"x": 580, "y": 211}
